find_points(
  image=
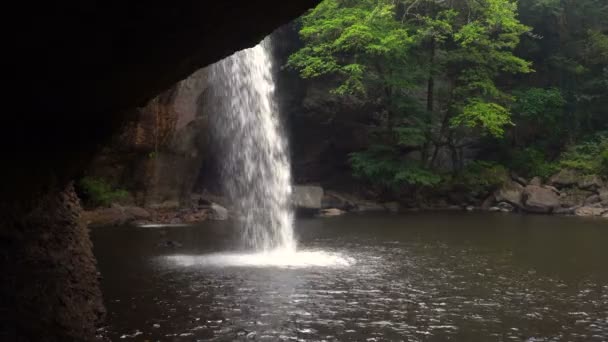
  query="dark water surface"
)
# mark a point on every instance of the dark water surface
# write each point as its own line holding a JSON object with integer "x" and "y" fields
{"x": 416, "y": 277}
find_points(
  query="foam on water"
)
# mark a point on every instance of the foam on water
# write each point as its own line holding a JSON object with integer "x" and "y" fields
{"x": 276, "y": 258}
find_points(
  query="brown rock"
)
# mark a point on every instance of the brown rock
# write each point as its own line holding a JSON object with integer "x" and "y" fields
{"x": 537, "y": 199}
{"x": 593, "y": 199}
{"x": 105, "y": 217}
{"x": 136, "y": 212}
{"x": 574, "y": 197}
{"x": 603, "y": 193}
{"x": 591, "y": 182}
{"x": 590, "y": 212}
{"x": 565, "y": 177}
{"x": 536, "y": 181}
{"x": 511, "y": 192}
{"x": 393, "y": 207}
{"x": 331, "y": 212}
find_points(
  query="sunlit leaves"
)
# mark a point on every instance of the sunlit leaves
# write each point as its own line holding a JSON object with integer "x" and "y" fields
{"x": 490, "y": 116}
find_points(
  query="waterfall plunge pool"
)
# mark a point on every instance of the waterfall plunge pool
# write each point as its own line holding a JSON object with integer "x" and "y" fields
{"x": 415, "y": 277}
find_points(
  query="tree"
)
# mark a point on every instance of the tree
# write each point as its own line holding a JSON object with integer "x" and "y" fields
{"x": 389, "y": 52}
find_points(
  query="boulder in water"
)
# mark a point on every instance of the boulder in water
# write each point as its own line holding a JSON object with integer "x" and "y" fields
{"x": 331, "y": 212}
{"x": 307, "y": 197}
{"x": 511, "y": 192}
{"x": 505, "y": 207}
{"x": 217, "y": 212}
{"x": 333, "y": 199}
{"x": 590, "y": 212}
{"x": 540, "y": 200}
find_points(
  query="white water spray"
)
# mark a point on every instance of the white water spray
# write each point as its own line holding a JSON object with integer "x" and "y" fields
{"x": 255, "y": 162}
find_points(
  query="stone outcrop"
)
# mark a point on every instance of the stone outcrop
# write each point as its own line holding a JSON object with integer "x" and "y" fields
{"x": 157, "y": 156}
{"x": 537, "y": 199}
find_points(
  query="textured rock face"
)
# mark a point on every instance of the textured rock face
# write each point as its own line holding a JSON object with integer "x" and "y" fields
{"x": 565, "y": 177}
{"x": 574, "y": 197}
{"x": 49, "y": 272}
{"x": 590, "y": 212}
{"x": 158, "y": 154}
{"x": 537, "y": 199}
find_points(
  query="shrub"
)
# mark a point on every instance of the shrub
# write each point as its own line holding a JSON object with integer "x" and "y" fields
{"x": 382, "y": 165}
{"x": 531, "y": 162}
{"x": 589, "y": 156}
{"x": 98, "y": 192}
{"x": 481, "y": 177}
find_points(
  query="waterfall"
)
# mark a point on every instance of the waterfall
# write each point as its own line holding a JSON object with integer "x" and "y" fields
{"x": 255, "y": 167}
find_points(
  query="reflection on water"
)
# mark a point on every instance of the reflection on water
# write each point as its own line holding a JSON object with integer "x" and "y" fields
{"x": 425, "y": 277}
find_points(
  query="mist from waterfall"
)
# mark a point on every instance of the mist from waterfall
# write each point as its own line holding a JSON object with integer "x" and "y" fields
{"x": 254, "y": 157}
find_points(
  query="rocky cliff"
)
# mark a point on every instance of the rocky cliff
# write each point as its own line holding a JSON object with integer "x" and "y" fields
{"x": 157, "y": 156}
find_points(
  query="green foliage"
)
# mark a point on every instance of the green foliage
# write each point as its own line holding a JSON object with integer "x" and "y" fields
{"x": 491, "y": 116}
{"x": 604, "y": 162}
{"x": 381, "y": 165}
{"x": 540, "y": 105}
{"x": 98, "y": 192}
{"x": 532, "y": 162}
{"x": 356, "y": 41}
{"x": 587, "y": 156}
{"x": 481, "y": 177}
{"x": 443, "y": 75}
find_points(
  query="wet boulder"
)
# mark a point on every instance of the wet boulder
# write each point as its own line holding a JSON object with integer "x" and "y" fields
{"x": 307, "y": 197}
{"x": 333, "y": 199}
{"x": 540, "y": 200}
{"x": 505, "y": 207}
{"x": 511, "y": 192}
{"x": 331, "y": 212}
{"x": 217, "y": 212}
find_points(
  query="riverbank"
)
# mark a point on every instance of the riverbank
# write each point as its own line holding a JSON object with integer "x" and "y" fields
{"x": 566, "y": 194}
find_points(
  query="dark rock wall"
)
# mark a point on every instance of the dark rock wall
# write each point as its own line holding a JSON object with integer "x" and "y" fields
{"x": 157, "y": 155}
{"x": 50, "y": 281}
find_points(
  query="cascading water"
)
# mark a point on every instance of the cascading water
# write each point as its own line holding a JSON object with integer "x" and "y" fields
{"x": 255, "y": 167}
